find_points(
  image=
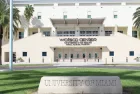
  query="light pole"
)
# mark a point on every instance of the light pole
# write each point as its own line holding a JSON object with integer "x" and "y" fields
{"x": 11, "y": 37}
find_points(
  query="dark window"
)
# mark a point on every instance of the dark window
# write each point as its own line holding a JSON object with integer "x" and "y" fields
{"x": 24, "y": 53}
{"x": 21, "y": 35}
{"x": 134, "y": 34}
{"x": 83, "y": 55}
{"x": 131, "y": 53}
{"x": 77, "y": 55}
{"x": 34, "y": 32}
{"x": 71, "y": 55}
{"x": 59, "y": 55}
{"x": 39, "y": 17}
{"x": 88, "y": 16}
{"x": 111, "y": 53}
{"x": 14, "y": 57}
{"x": 46, "y": 33}
{"x": 115, "y": 16}
{"x": 120, "y": 31}
{"x": 65, "y": 16}
{"x": 44, "y": 53}
{"x": 65, "y": 55}
{"x": 108, "y": 33}
{"x": 89, "y": 55}
{"x": 96, "y": 55}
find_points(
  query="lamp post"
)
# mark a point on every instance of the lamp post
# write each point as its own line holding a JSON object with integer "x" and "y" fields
{"x": 11, "y": 37}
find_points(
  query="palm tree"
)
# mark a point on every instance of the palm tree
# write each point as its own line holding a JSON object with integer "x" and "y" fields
{"x": 28, "y": 13}
{"x": 5, "y": 21}
{"x": 136, "y": 18}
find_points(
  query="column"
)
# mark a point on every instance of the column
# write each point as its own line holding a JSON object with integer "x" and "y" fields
{"x": 69, "y": 54}
{"x": 101, "y": 31}
{"x": 77, "y": 31}
{"x": 129, "y": 31}
{"x": 26, "y": 32}
{"x": 116, "y": 29}
{"x": 53, "y": 31}
{"x": 39, "y": 30}
{"x": 63, "y": 56}
{"x": 85, "y": 55}
{"x": 130, "y": 22}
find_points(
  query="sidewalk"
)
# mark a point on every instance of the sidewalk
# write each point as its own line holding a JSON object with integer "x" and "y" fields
{"x": 78, "y": 64}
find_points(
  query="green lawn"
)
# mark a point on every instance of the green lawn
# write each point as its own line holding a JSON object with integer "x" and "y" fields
{"x": 25, "y": 82}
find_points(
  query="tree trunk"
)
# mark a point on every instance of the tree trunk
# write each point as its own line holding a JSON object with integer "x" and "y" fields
{"x": 1, "y": 35}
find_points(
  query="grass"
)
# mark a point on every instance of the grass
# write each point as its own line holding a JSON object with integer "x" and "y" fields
{"x": 25, "y": 82}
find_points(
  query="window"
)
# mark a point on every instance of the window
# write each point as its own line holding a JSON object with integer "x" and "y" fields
{"x": 39, "y": 15}
{"x": 88, "y": 33}
{"x": 71, "y": 55}
{"x": 83, "y": 55}
{"x": 108, "y": 33}
{"x": 59, "y": 33}
{"x": 77, "y": 55}
{"x": 46, "y": 33}
{"x": 34, "y": 32}
{"x": 134, "y": 34}
{"x": 88, "y": 14}
{"x": 131, "y": 53}
{"x": 21, "y": 35}
{"x": 44, "y": 53}
{"x": 59, "y": 55}
{"x": 111, "y": 53}
{"x": 120, "y": 31}
{"x": 96, "y": 55}
{"x": 115, "y": 14}
{"x": 65, "y": 55}
{"x": 89, "y": 55}
{"x": 24, "y": 53}
{"x": 65, "y": 33}
{"x": 65, "y": 15}
{"x": 72, "y": 33}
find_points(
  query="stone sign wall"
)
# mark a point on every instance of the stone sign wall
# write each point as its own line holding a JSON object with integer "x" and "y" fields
{"x": 80, "y": 85}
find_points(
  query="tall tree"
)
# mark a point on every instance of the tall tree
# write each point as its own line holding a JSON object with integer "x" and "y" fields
{"x": 5, "y": 22}
{"x": 136, "y": 18}
{"x": 28, "y": 13}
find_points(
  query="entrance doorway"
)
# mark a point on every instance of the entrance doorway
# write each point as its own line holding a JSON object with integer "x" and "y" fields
{"x": 77, "y": 54}
{"x": 6, "y": 57}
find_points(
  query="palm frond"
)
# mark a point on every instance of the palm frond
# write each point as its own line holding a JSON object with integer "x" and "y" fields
{"x": 4, "y": 18}
{"x": 136, "y": 18}
{"x": 28, "y": 12}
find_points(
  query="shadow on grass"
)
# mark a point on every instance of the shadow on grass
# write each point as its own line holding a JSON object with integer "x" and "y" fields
{"x": 23, "y": 79}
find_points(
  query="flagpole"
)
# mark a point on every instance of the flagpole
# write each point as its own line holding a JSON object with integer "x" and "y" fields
{"x": 11, "y": 37}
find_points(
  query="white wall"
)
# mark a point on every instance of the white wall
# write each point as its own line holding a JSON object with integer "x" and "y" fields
{"x": 124, "y": 13}
{"x": 36, "y": 44}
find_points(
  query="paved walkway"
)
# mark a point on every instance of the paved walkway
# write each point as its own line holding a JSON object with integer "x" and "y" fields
{"x": 55, "y": 66}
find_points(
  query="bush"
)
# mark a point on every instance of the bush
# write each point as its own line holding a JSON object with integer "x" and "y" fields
{"x": 20, "y": 59}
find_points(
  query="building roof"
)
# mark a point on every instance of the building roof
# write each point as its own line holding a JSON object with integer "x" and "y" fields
{"x": 78, "y": 21}
{"x": 74, "y": 1}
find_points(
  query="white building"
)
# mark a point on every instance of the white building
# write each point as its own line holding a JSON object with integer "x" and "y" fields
{"x": 77, "y": 31}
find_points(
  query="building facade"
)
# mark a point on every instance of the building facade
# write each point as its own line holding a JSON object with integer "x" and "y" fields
{"x": 76, "y": 31}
